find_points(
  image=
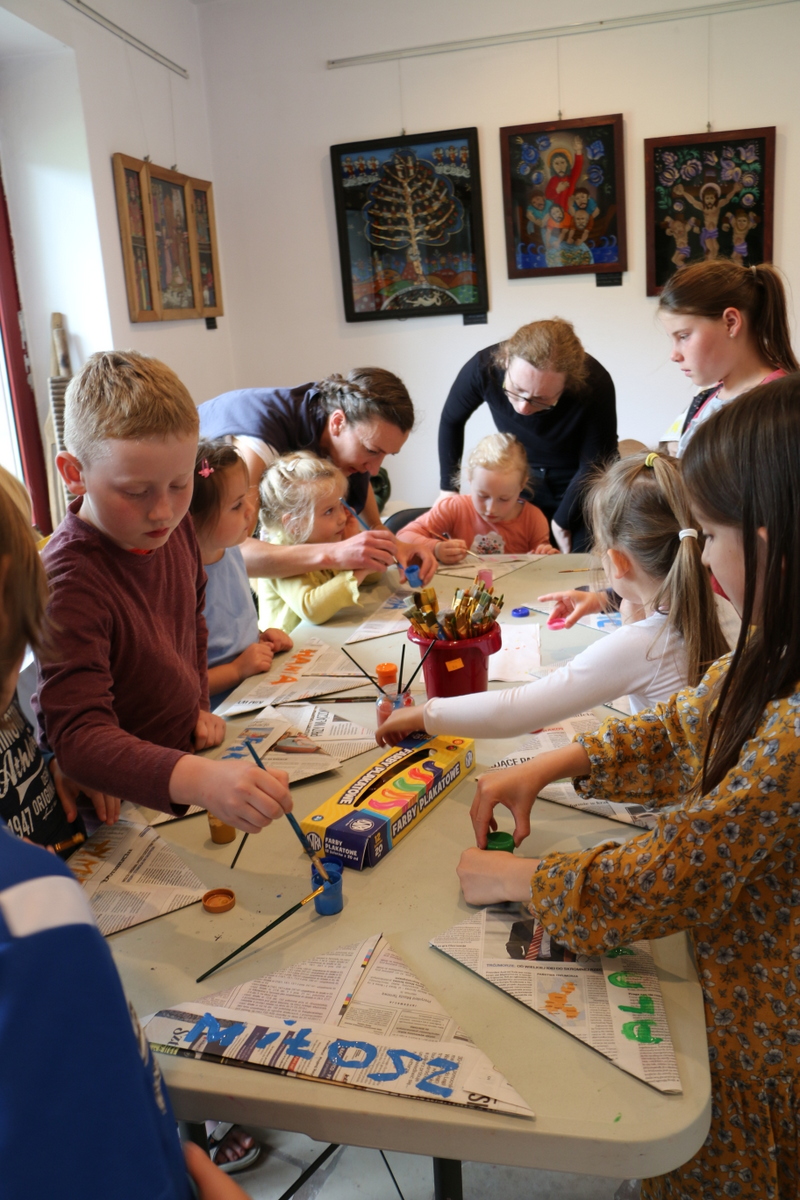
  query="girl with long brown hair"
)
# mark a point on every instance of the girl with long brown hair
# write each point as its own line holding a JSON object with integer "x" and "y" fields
{"x": 721, "y": 765}
{"x": 729, "y": 330}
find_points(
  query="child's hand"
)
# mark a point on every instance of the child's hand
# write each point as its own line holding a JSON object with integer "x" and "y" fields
{"x": 245, "y": 796}
{"x": 514, "y": 787}
{"x": 396, "y": 726}
{"x": 452, "y": 551}
{"x": 106, "y": 807}
{"x": 571, "y": 606}
{"x": 491, "y": 877}
{"x": 280, "y": 640}
{"x": 212, "y": 1183}
{"x": 256, "y": 659}
{"x": 209, "y": 731}
{"x": 546, "y": 548}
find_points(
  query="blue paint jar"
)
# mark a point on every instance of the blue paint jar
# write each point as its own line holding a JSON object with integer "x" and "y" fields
{"x": 331, "y": 901}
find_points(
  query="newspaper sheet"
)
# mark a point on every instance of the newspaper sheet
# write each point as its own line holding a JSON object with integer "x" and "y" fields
{"x": 355, "y": 1016}
{"x": 613, "y": 1004}
{"x": 554, "y": 738}
{"x": 131, "y": 875}
{"x": 312, "y": 670}
{"x": 280, "y": 745}
{"x": 385, "y": 620}
{"x": 519, "y": 657}
{"x": 336, "y": 736}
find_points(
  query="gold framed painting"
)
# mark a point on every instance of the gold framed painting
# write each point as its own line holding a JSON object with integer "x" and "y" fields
{"x": 169, "y": 242}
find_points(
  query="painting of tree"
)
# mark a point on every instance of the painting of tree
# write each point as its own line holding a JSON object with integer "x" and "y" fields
{"x": 410, "y": 226}
{"x": 410, "y": 206}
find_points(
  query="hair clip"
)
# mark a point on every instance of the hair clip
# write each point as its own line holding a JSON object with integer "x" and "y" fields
{"x": 684, "y": 533}
{"x": 204, "y": 469}
{"x": 651, "y": 458}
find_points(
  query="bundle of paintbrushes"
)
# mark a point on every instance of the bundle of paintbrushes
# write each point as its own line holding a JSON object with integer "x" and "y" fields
{"x": 471, "y": 614}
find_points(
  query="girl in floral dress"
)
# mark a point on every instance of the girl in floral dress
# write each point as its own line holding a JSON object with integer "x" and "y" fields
{"x": 722, "y": 764}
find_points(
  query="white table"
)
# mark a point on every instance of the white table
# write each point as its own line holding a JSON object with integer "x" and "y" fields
{"x": 590, "y": 1116}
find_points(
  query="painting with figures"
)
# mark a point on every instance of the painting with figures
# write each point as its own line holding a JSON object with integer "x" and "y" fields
{"x": 564, "y": 195}
{"x": 708, "y": 196}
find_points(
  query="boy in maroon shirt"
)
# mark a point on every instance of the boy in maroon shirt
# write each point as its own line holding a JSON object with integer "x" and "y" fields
{"x": 125, "y": 706}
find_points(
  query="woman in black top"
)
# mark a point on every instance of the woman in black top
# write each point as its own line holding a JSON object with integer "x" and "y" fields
{"x": 543, "y": 388}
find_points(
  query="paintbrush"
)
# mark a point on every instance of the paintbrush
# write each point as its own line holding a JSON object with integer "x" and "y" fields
{"x": 366, "y": 674}
{"x": 422, "y": 660}
{"x": 290, "y": 817}
{"x": 445, "y": 537}
{"x": 255, "y": 937}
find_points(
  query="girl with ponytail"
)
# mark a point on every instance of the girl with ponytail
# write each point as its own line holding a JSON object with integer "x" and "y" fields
{"x": 648, "y": 539}
{"x": 729, "y": 331}
{"x": 720, "y": 766}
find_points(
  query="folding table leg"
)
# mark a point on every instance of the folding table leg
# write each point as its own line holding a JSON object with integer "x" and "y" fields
{"x": 194, "y": 1131}
{"x": 447, "y": 1179}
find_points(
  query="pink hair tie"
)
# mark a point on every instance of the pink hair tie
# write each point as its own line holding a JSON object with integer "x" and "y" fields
{"x": 205, "y": 470}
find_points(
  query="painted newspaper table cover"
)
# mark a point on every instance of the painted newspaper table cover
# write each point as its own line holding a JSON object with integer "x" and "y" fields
{"x": 356, "y": 1015}
{"x": 612, "y": 1004}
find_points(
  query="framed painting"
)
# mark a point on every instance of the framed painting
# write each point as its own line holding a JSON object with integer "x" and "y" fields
{"x": 410, "y": 226}
{"x": 170, "y": 206}
{"x": 169, "y": 242}
{"x": 138, "y": 250}
{"x": 708, "y": 195}
{"x": 206, "y": 269}
{"x": 564, "y": 197}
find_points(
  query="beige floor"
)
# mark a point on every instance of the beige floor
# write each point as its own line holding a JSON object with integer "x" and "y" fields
{"x": 352, "y": 1172}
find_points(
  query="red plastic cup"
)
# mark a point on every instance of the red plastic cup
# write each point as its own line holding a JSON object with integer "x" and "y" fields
{"x": 458, "y": 668}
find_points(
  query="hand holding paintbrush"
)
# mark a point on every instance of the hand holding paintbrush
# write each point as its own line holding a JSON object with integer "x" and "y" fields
{"x": 290, "y": 817}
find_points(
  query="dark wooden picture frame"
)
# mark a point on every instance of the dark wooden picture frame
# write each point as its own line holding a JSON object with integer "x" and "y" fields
{"x": 705, "y": 184}
{"x": 564, "y": 197}
{"x": 169, "y": 242}
{"x": 409, "y": 219}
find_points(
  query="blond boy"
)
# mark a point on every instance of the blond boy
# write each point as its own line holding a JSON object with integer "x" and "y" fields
{"x": 125, "y": 705}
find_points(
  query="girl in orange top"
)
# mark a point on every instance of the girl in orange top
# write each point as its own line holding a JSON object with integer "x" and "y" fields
{"x": 492, "y": 518}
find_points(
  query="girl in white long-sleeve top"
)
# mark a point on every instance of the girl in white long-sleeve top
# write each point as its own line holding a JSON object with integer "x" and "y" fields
{"x": 648, "y": 540}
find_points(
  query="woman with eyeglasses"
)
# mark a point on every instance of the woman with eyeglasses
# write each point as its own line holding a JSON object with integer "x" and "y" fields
{"x": 544, "y": 389}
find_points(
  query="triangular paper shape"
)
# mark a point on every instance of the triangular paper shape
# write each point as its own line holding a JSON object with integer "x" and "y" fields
{"x": 356, "y": 1016}
{"x": 612, "y": 1004}
{"x": 131, "y": 875}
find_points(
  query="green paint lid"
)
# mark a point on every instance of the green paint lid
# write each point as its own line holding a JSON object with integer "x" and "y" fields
{"x": 500, "y": 841}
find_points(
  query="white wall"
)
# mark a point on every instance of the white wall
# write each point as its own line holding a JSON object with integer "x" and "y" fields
{"x": 274, "y": 110}
{"x": 63, "y": 113}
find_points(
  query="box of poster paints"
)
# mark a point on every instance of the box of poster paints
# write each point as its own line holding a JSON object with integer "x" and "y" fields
{"x": 364, "y": 821}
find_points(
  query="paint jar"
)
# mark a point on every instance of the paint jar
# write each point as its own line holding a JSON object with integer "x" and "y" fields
{"x": 500, "y": 841}
{"x": 331, "y": 901}
{"x": 412, "y": 575}
{"x": 220, "y": 832}
{"x": 460, "y": 667}
{"x": 386, "y": 705}
{"x": 486, "y": 576}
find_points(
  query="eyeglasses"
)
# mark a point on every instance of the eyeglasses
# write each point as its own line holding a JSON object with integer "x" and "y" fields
{"x": 530, "y": 399}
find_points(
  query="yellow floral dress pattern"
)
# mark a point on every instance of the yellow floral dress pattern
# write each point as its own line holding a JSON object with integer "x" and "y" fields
{"x": 724, "y": 867}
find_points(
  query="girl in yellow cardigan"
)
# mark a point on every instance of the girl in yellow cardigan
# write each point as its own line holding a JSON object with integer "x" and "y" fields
{"x": 721, "y": 765}
{"x": 301, "y": 502}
